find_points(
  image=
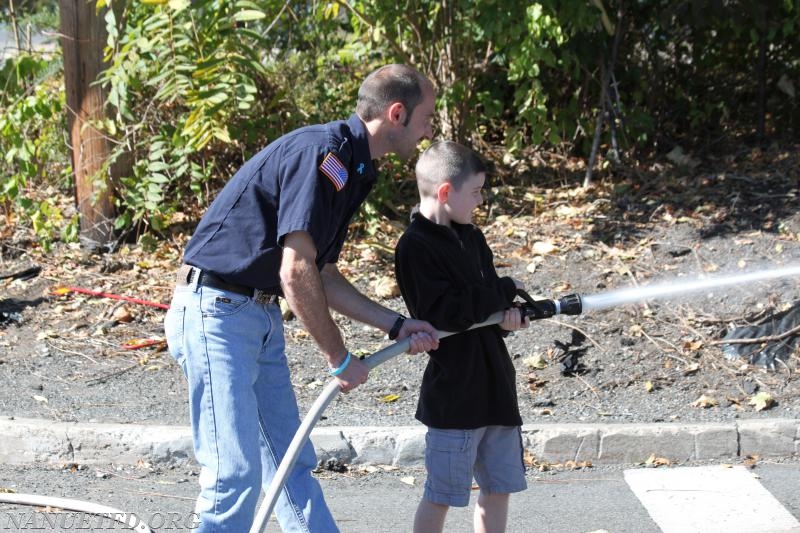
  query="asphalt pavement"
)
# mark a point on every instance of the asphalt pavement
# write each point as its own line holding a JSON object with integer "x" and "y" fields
{"x": 760, "y": 498}
{"x": 577, "y": 475}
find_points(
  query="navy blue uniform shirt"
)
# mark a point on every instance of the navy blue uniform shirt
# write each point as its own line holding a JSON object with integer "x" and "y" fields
{"x": 312, "y": 179}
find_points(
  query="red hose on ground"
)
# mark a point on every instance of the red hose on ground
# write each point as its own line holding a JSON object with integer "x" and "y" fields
{"x": 65, "y": 290}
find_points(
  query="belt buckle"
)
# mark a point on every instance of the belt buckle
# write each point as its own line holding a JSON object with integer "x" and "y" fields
{"x": 263, "y": 298}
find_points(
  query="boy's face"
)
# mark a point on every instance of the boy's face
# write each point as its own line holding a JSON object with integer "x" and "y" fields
{"x": 461, "y": 203}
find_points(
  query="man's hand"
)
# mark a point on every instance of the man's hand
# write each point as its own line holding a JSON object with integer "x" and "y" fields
{"x": 354, "y": 375}
{"x": 421, "y": 335}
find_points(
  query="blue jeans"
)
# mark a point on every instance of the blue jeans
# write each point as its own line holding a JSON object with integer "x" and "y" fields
{"x": 243, "y": 410}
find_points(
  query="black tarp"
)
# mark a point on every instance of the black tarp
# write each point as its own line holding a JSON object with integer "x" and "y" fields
{"x": 780, "y": 339}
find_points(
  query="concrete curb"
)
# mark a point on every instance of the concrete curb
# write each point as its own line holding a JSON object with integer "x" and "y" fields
{"x": 25, "y": 441}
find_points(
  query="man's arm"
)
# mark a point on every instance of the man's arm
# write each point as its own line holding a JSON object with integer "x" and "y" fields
{"x": 347, "y": 300}
{"x": 303, "y": 289}
{"x": 343, "y": 297}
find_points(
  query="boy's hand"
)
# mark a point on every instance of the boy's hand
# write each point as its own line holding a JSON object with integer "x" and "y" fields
{"x": 423, "y": 337}
{"x": 512, "y": 320}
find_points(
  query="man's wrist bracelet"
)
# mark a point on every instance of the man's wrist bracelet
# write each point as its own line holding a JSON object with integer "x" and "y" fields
{"x": 338, "y": 370}
{"x": 398, "y": 325}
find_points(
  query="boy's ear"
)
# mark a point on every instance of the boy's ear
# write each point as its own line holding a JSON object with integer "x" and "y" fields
{"x": 443, "y": 192}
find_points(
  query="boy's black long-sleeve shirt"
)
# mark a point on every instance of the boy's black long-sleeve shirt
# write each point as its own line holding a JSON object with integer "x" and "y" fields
{"x": 447, "y": 277}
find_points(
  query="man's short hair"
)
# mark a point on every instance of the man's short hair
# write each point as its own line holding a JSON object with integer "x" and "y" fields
{"x": 446, "y": 162}
{"x": 390, "y": 84}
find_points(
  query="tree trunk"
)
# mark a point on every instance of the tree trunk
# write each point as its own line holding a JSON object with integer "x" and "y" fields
{"x": 606, "y": 74}
{"x": 83, "y": 37}
{"x": 761, "y": 125}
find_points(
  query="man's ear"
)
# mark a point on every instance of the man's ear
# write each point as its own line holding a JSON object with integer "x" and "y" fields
{"x": 396, "y": 113}
{"x": 443, "y": 192}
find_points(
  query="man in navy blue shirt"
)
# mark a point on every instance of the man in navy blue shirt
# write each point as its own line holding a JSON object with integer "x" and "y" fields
{"x": 276, "y": 229}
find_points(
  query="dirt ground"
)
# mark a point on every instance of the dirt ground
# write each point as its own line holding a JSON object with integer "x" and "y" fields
{"x": 68, "y": 355}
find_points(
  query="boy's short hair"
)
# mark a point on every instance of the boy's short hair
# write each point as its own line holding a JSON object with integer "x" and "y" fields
{"x": 389, "y": 84}
{"x": 446, "y": 162}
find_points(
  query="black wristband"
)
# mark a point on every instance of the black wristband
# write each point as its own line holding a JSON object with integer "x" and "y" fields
{"x": 398, "y": 325}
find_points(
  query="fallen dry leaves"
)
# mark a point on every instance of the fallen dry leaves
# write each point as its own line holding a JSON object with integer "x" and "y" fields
{"x": 657, "y": 461}
{"x": 544, "y": 466}
{"x": 705, "y": 402}
{"x": 761, "y": 401}
{"x": 606, "y": 230}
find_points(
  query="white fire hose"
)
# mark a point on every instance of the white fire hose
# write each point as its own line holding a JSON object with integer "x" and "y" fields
{"x": 129, "y": 519}
{"x": 314, "y": 413}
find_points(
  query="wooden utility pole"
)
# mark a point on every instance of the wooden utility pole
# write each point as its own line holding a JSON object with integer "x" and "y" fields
{"x": 83, "y": 36}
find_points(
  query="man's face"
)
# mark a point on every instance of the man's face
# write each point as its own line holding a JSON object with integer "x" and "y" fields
{"x": 420, "y": 126}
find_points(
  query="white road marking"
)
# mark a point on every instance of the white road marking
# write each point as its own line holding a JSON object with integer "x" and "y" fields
{"x": 709, "y": 499}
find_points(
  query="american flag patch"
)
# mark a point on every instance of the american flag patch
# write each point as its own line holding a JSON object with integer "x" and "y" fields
{"x": 334, "y": 169}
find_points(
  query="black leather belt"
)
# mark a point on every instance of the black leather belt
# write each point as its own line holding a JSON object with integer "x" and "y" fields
{"x": 187, "y": 274}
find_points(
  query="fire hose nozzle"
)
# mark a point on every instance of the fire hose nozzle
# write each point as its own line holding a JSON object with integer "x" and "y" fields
{"x": 570, "y": 304}
{"x": 535, "y": 309}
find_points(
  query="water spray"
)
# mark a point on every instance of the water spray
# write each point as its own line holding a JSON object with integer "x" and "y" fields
{"x": 571, "y": 304}
{"x": 575, "y": 304}
{"x": 594, "y": 302}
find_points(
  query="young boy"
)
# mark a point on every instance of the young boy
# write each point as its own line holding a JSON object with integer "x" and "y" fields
{"x": 468, "y": 399}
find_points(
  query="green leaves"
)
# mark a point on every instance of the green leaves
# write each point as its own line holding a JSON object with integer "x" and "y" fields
{"x": 248, "y": 14}
{"x": 209, "y": 82}
{"x": 181, "y": 75}
{"x": 32, "y": 142}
